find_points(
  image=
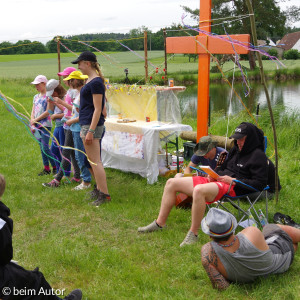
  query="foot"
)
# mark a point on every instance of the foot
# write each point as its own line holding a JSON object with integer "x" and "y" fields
{"x": 81, "y": 186}
{"x": 77, "y": 180}
{"x": 150, "y": 228}
{"x": 190, "y": 239}
{"x": 44, "y": 172}
{"x": 74, "y": 295}
{"x": 102, "y": 198}
{"x": 53, "y": 183}
{"x": 93, "y": 195}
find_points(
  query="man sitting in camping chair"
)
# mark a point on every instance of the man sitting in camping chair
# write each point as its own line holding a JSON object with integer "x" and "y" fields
{"x": 246, "y": 162}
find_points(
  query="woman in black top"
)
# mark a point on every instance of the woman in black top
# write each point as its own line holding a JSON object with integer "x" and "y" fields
{"x": 91, "y": 120}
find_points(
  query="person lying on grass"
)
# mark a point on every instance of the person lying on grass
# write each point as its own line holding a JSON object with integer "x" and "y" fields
{"x": 248, "y": 255}
{"x": 246, "y": 162}
{"x": 15, "y": 280}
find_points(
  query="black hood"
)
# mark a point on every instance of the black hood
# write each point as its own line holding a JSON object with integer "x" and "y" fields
{"x": 4, "y": 210}
{"x": 255, "y": 139}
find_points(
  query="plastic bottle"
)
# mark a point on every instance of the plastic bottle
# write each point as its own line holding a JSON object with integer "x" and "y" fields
{"x": 251, "y": 220}
{"x": 263, "y": 220}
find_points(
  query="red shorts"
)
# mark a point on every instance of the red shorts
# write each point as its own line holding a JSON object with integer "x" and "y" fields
{"x": 223, "y": 187}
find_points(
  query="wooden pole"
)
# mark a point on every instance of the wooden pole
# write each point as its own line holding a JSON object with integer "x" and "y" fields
{"x": 146, "y": 56}
{"x": 58, "y": 56}
{"x": 263, "y": 81}
{"x": 203, "y": 73}
{"x": 166, "y": 65}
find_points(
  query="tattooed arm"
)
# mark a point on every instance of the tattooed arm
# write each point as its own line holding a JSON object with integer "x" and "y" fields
{"x": 210, "y": 263}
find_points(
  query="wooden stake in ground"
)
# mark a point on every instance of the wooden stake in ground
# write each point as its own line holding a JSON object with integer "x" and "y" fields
{"x": 146, "y": 56}
{"x": 205, "y": 45}
{"x": 165, "y": 47}
{"x": 263, "y": 81}
{"x": 58, "y": 56}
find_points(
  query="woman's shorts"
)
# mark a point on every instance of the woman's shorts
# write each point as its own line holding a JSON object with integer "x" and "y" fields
{"x": 223, "y": 187}
{"x": 98, "y": 131}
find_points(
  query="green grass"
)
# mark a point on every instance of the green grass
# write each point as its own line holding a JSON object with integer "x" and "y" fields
{"x": 114, "y": 63}
{"x": 99, "y": 249}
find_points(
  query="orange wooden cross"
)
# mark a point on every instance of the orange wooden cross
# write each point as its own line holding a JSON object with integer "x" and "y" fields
{"x": 204, "y": 45}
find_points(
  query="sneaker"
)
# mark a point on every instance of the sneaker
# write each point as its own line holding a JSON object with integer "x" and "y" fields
{"x": 77, "y": 180}
{"x": 190, "y": 239}
{"x": 44, "y": 172}
{"x": 150, "y": 228}
{"x": 285, "y": 220}
{"x": 102, "y": 198}
{"x": 74, "y": 295}
{"x": 93, "y": 195}
{"x": 81, "y": 186}
{"x": 53, "y": 183}
{"x": 54, "y": 171}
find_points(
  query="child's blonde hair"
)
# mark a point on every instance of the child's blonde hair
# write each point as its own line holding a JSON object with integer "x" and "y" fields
{"x": 2, "y": 185}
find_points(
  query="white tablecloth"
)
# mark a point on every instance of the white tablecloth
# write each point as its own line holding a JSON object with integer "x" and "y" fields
{"x": 133, "y": 147}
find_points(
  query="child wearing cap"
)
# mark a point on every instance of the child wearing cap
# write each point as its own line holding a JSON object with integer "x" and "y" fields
{"x": 76, "y": 81}
{"x": 54, "y": 89}
{"x": 68, "y": 153}
{"x": 41, "y": 123}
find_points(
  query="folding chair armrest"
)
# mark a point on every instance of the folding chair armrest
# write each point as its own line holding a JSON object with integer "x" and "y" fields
{"x": 246, "y": 185}
{"x": 198, "y": 170}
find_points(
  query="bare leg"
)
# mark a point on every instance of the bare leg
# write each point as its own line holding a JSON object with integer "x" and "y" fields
{"x": 93, "y": 153}
{"x": 173, "y": 185}
{"x": 202, "y": 193}
{"x": 293, "y": 232}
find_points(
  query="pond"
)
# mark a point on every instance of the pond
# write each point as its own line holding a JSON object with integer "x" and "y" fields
{"x": 286, "y": 94}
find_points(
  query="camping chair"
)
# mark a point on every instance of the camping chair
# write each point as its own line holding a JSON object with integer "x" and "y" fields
{"x": 235, "y": 202}
{"x": 251, "y": 199}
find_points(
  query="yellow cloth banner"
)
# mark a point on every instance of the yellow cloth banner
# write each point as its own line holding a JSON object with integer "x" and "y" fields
{"x": 131, "y": 101}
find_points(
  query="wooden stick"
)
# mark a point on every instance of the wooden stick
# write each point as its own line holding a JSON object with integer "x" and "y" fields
{"x": 58, "y": 56}
{"x": 263, "y": 81}
{"x": 146, "y": 56}
{"x": 165, "y": 46}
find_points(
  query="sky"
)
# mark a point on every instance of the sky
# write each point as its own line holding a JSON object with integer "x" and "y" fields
{"x": 41, "y": 20}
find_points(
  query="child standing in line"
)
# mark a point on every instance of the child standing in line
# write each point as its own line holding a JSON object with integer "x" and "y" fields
{"x": 54, "y": 89}
{"x": 41, "y": 123}
{"x": 76, "y": 81}
{"x": 68, "y": 153}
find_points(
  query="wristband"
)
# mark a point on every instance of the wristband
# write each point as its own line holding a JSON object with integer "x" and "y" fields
{"x": 51, "y": 112}
{"x": 91, "y": 130}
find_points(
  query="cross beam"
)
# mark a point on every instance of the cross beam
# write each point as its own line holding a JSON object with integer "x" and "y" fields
{"x": 204, "y": 45}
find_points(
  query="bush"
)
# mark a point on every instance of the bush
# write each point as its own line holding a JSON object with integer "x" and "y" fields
{"x": 272, "y": 52}
{"x": 291, "y": 54}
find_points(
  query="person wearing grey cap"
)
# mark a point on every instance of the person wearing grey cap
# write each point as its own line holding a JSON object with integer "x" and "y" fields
{"x": 206, "y": 153}
{"x": 246, "y": 162}
{"x": 249, "y": 254}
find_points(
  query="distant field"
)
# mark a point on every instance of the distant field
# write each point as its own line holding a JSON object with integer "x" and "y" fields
{"x": 112, "y": 64}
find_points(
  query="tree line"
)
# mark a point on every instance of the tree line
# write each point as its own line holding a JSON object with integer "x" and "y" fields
{"x": 102, "y": 41}
{"x": 271, "y": 22}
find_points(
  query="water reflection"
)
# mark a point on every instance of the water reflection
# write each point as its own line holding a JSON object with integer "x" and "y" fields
{"x": 286, "y": 94}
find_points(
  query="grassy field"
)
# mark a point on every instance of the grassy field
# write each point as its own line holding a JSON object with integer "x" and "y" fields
{"x": 98, "y": 249}
{"x": 113, "y": 65}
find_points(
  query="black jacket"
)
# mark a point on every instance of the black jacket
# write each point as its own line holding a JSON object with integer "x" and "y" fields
{"x": 250, "y": 165}
{"x": 6, "y": 230}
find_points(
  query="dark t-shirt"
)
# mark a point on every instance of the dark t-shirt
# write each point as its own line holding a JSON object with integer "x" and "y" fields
{"x": 86, "y": 110}
{"x": 200, "y": 160}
